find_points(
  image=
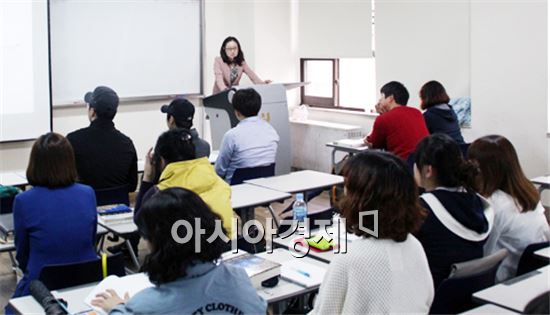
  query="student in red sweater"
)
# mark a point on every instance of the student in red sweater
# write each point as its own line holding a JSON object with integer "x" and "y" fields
{"x": 399, "y": 128}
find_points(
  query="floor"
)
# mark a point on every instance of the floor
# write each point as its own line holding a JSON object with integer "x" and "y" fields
{"x": 8, "y": 278}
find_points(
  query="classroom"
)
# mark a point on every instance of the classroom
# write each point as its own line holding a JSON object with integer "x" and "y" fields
{"x": 323, "y": 100}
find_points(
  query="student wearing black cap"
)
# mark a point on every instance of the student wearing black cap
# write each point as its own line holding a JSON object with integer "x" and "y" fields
{"x": 179, "y": 114}
{"x": 105, "y": 157}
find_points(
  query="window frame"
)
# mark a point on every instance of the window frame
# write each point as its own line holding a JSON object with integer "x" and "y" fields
{"x": 325, "y": 102}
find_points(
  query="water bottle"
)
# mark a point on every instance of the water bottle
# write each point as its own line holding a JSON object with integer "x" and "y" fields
{"x": 299, "y": 208}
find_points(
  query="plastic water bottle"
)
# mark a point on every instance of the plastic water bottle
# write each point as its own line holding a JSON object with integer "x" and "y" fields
{"x": 299, "y": 208}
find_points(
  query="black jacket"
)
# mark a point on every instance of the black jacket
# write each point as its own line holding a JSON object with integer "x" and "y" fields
{"x": 105, "y": 157}
{"x": 442, "y": 119}
{"x": 443, "y": 247}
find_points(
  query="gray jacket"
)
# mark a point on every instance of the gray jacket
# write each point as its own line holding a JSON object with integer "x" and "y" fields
{"x": 206, "y": 289}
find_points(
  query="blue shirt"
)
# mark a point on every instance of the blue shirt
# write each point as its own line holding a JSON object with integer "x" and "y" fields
{"x": 253, "y": 142}
{"x": 53, "y": 226}
{"x": 206, "y": 289}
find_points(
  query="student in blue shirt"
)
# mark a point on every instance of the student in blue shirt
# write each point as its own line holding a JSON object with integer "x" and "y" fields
{"x": 55, "y": 221}
{"x": 253, "y": 142}
{"x": 188, "y": 279}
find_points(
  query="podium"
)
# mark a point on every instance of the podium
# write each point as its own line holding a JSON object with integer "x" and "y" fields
{"x": 221, "y": 117}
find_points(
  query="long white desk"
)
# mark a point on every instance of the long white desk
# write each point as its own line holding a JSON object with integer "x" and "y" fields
{"x": 246, "y": 195}
{"x": 542, "y": 181}
{"x": 488, "y": 309}
{"x": 516, "y": 293}
{"x": 13, "y": 178}
{"x": 300, "y": 181}
{"x": 544, "y": 252}
{"x": 75, "y": 296}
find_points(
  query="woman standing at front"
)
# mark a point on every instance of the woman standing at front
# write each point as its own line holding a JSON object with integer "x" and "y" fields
{"x": 229, "y": 67}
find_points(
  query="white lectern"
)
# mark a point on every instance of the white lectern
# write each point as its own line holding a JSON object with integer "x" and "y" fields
{"x": 221, "y": 117}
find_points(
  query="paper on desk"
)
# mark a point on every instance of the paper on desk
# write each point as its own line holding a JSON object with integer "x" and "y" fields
{"x": 302, "y": 273}
{"x": 353, "y": 143}
{"x": 131, "y": 284}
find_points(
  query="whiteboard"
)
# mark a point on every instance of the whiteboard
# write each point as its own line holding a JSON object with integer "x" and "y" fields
{"x": 139, "y": 48}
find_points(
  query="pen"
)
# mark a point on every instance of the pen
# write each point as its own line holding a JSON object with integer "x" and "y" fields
{"x": 303, "y": 273}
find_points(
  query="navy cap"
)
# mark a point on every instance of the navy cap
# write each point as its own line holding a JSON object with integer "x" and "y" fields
{"x": 181, "y": 109}
{"x": 103, "y": 99}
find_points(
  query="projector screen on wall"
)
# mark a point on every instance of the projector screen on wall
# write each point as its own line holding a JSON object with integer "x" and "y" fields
{"x": 142, "y": 48}
{"x": 25, "y": 107}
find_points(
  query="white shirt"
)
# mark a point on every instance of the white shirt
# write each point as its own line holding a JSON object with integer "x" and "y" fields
{"x": 514, "y": 230}
{"x": 377, "y": 276}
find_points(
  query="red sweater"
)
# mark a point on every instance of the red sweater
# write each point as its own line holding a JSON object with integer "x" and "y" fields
{"x": 398, "y": 131}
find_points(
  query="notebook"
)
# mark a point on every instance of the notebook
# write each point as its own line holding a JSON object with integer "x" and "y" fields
{"x": 257, "y": 268}
{"x": 302, "y": 273}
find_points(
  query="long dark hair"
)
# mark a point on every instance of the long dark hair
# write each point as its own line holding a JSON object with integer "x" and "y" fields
{"x": 381, "y": 181}
{"x": 240, "y": 56}
{"x": 444, "y": 155}
{"x": 500, "y": 169}
{"x": 169, "y": 259}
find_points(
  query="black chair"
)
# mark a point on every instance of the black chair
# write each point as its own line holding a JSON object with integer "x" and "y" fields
{"x": 539, "y": 305}
{"x": 529, "y": 261}
{"x": 112, "y": 195}
{"x": 6, "y": 204}
{"x": 62, "y": 276}
{"x": 242, "y": 174}
{"x": 454, "y": 294}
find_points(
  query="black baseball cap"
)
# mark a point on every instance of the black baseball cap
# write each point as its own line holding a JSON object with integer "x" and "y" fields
{"x": 181, "y": 109}
{"x": 103, "y": 99}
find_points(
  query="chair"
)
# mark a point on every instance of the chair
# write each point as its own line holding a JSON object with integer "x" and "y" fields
{"x": 112, "y": 195}
{"x": 539, "y": 305}
{"x": 242, "y": 174}
{"x": 7, "y": 196}
{"x": 61, "y": 276}
{"x": 529, "y": 261}
{"x": 454, "y": 295}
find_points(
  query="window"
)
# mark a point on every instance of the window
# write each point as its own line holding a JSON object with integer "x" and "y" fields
{"x": 340, "y": 83}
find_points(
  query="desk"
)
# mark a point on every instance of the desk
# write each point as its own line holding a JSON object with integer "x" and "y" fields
{"x": 343, "y": 148}
{"x": 122, "y": 229}
{"x": 75, "y": 296}
{"x": 488, "y": 309}
{"x": 246, "y": 197}
{"x": 13, "y": 178}
{"x": 544, "y": 252}
{"x": 300, "y": 181}
{"x": 516, "y": 293}
{"x": 542, "y": 181}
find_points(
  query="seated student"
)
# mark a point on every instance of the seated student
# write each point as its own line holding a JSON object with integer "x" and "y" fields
{"x": 439, "y": 115}
{"x": 399, "y": 128}
{"x": 459, "y": 220}
{"x": 175, "y": 154}
{"x": 105, "y": 157}
{"x": 519, "y": 215}
{"x": 187, "y": 279}
{"x": 388, "y": 273}
{"x": 179, "y": 114}
{"x": 55, "y": 221}
{"x": 253, "y": 142}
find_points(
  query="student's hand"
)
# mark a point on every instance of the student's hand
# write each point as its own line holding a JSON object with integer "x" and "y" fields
{"x": 366, "y": 142}
{"x": 109, "y": 299}
{"x": 380, "y": 109}
{"x": 149, "y": 169}
{"x": 267, "y": 81}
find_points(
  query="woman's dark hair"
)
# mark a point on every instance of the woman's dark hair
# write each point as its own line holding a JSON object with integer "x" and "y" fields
{"x": 500, "y": 169}
{"x": 433, "y": 93}
{"x": 175, "y": 145}
{"x": 169, "y": 259}
{"x": 398, "y": 90}
{"x": 240, "y": 56}
{"x": 52, "y": 163}
{"x": 381, "y": 181}
{"x": 444, "y": 155}
{"x": 248, "y": 102}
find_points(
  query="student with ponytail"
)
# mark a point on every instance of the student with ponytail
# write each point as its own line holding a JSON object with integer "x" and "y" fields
{"x": 519, "y": 215}
{"x": 459, "y": 220}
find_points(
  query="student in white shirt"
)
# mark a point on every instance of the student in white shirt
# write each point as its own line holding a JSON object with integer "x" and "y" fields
{"x": 519, "y": 215}
{"x": 384, "y": 274}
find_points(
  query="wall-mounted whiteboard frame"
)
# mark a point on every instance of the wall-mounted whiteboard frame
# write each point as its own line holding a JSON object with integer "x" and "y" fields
{"x": 63, "y": 98}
